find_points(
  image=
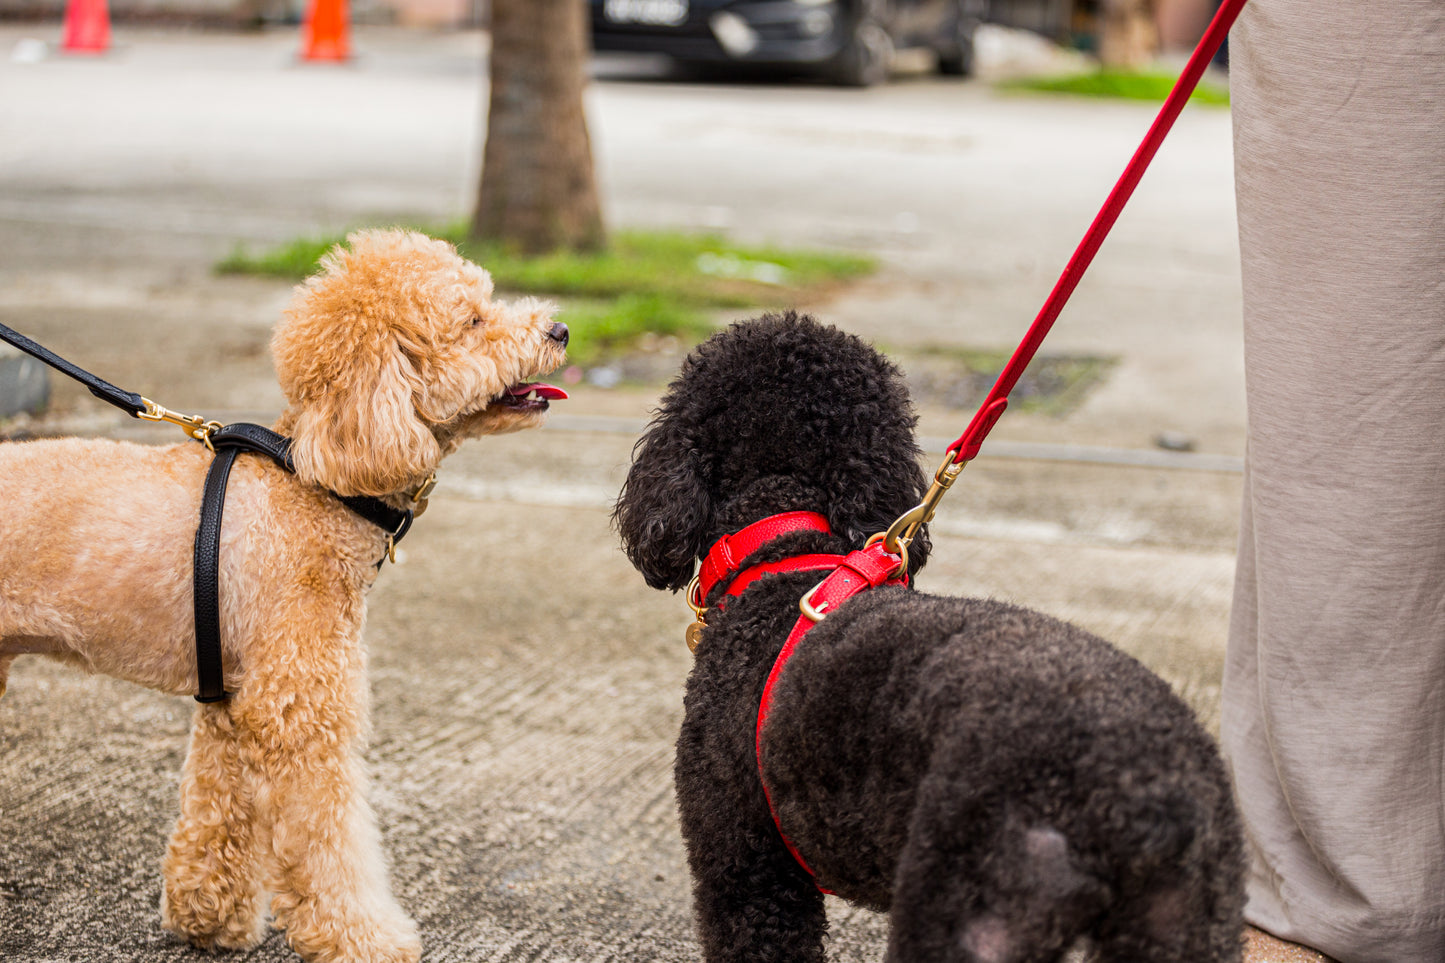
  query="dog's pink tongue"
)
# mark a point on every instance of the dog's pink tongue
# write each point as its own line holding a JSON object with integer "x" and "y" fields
{"x": 544, "y": 391}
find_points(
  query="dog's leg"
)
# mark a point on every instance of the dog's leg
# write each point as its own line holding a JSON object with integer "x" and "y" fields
{"x": 1187, "y": 912}
{"x": 212, "y": 894}
{"x": 305, "y": 721}
{"x": 1178, "y": 866}
{"x": 5, "y": 661}
{"x": 752, "y": 900}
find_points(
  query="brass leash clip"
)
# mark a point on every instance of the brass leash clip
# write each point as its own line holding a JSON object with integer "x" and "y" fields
{"x": 901, "y": 532}
{"x": 193, "y": 425}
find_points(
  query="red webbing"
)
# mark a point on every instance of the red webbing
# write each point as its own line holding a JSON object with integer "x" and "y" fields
{"x": 866, "y": 568}
{"x": 967, "y": 445}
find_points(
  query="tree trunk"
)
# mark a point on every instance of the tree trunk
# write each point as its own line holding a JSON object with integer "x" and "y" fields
{"x": 1128, "y": 38}
{"x": 537, "y": 190}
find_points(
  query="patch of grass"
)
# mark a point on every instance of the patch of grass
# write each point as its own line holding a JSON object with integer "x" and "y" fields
{"x": 645, "y": 284}
{"x": 294, "y": 259}
{"x": 958, "y": 377}
{"x": 603, "y": 329}
{"x": 1120, "y": 84}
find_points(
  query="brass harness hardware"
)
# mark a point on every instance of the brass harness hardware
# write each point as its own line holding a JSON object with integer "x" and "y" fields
{"x": 193, "y": 425}
{"x": 896, "y": 541}
{"x": 418, "y": 497}
{"x": 901, "y": 532}
{"x": 422, "y": 493}
{"x": 805, "y": 604}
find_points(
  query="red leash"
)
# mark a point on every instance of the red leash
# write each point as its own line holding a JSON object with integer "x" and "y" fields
{"x": 884, "y": 559}
{"x": 966, "y": 447}
{"x": 968, "y": 444}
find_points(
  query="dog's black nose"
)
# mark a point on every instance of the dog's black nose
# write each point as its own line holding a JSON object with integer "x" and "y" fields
{"x": 558, "y": 332}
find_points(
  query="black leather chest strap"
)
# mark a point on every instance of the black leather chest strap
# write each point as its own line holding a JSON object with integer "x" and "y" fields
{"x": 229, "y": 442}
{"x": 210, "y": 670}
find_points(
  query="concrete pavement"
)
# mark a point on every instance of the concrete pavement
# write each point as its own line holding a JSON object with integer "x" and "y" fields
{"x": 526, "y": 684}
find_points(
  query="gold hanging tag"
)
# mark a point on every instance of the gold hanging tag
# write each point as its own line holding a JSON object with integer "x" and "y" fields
{"x": 699, "y": 612}
{"x": 421, "y": 494}
{"x": 694, "y": 634}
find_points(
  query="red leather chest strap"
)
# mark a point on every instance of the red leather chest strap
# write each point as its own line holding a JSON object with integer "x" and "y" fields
{"x": 859, "y": 571}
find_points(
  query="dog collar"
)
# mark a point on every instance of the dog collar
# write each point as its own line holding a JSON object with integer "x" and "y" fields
{"x": 728, "y": 552}
{"x": 723, "y": 561}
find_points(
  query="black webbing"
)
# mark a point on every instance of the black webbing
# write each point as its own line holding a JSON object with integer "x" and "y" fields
{"x": 230, "y": 442}
{"x": 210, "y": 671}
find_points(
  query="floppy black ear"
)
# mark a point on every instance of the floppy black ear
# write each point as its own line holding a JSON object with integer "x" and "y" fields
{"x": 664, "y": 511}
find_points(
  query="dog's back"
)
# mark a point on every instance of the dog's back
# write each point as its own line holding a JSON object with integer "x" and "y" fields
{"x": 1000, "y": 782}
{"x": 1003, "y": 782}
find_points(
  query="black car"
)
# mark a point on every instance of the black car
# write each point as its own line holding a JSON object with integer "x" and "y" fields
{"x": 850, "y": 41}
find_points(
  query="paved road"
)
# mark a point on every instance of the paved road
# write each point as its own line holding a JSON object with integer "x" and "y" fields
{"x": 527, "y": 685}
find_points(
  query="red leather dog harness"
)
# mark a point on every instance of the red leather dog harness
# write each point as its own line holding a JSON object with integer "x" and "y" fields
{"x": 848, "y": 575}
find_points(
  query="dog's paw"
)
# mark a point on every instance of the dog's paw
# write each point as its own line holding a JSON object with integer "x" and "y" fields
{"x": 211, "y": 921}
{"x": 378, "y": 937}
{"x": 362, "y": 945}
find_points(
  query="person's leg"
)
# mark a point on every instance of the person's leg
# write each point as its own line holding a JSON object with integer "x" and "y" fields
{"x": 1334, "y": 690}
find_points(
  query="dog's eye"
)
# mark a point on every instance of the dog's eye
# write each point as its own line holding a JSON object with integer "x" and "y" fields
{"x": 476, "y": 320}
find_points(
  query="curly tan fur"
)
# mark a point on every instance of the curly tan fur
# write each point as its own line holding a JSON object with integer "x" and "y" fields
{"x": 389, "y": 357}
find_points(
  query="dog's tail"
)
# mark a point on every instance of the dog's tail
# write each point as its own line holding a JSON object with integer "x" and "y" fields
{"x": 986, "y": 885}
{"x": 1059, "y": 890}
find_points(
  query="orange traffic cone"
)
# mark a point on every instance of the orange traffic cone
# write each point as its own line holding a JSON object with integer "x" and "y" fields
{"x": 326, "y": 33}
{"x": 87, "y": 27}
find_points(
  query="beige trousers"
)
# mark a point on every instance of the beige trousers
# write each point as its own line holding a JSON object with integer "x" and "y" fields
{"x": 1334, "y": 689}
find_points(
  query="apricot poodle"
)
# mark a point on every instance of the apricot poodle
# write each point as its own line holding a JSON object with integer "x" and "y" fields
{"x": 1002, "y": 784}
{"x": 391, "y": 356}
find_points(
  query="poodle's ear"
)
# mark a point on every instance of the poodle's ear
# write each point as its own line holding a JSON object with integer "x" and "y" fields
{"x": 361, "y": 435}
{"x": 664, "y": 511}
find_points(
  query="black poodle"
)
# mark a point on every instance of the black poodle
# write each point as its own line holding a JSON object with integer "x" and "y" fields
{"x": 1003, "y": 784}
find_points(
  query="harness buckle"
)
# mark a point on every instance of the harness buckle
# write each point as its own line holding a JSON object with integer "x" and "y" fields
{"x": 805, "y": 604}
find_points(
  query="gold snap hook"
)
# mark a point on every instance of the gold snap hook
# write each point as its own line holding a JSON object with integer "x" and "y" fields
{"x": 901, "y": 532}
{"x": 193, "y": 425}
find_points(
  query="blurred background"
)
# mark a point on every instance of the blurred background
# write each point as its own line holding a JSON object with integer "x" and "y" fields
{"x": 917, "y": 173}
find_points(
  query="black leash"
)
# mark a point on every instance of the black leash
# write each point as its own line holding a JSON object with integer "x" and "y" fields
{"x": 104, "y": 390}
{"x": 228, "y": 442}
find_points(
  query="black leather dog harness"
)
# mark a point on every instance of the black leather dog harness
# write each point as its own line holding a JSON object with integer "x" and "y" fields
{"x": 847, "y": 576}
{"x": 227, "y": 442}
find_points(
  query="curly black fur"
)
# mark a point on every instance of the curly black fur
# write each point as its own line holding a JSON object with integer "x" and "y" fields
{"x": 1001, "y": 783}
